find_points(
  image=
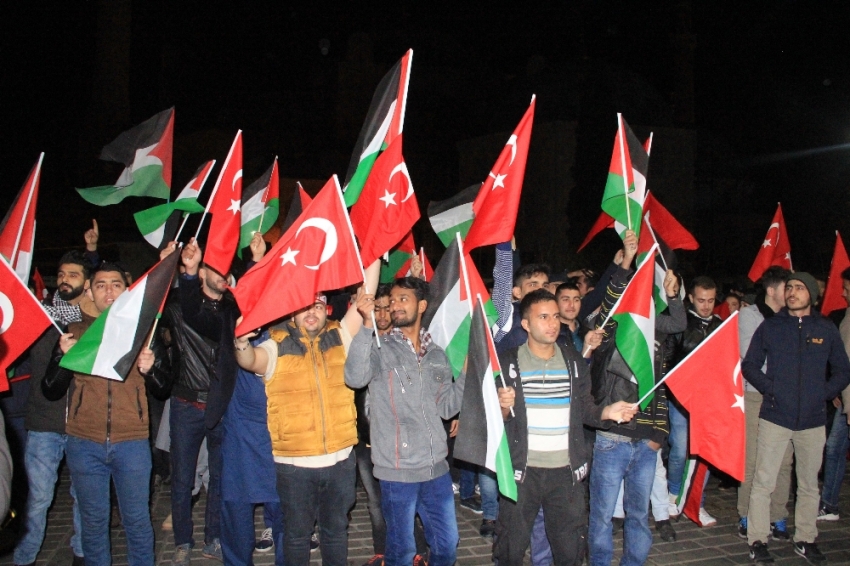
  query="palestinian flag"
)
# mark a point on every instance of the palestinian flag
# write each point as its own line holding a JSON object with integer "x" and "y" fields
{"x": 448, "y": 318}
{"x": 260, "y": 206}
{"x": 482, "y": 439}
{"x": 145, "y": 151}
{"x": 159, "y": 224}
{"x": 398, "y": 263}
{"x": 689, "y": 500}
{"x": 665, "y": 259}
{"x": 300, "y": 200}
{"x": 384, "y": 122}
{"x": 625, "y": 190}
{"x": 112, "y": 343}
{"x": 17, "y": 233}
{"x": 453, "y": 214}
{"x": 635, "y": 316}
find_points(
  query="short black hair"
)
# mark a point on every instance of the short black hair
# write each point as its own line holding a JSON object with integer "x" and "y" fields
{"x": 703, "y": 282}
{"x": 110, "y": 266}
{"x": 418, "y": 286}
{"x": 776, "y": 275}
{"x": 570, "y": 284}
{"x": 77, "y": 257}
{"x": 529, "y": 269}
{"x": 383, "y": 291}
{"x": 534, "y": 297}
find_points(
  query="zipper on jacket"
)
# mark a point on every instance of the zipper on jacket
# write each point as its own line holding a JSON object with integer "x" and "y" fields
{"x": 424, "y": 415}
{"x": 79, "y": 402}
{"x": 319, "y": 391}
{"x": 139, "y": 403}
{"x": 108, "y": 409}
{"x": 799, "y": 369}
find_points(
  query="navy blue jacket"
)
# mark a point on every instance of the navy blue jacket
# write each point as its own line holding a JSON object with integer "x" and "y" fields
{"x": 806, "y": 366}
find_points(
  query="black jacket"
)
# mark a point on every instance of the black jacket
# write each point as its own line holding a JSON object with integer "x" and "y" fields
{"x": 44, "y": 415}
{"x": 193, "y": 356}
{"x": 583, "y": 411}
{"x": 217, "y": 325}
{"x": 806, "y": 366}
{"x": 697, "y": 330}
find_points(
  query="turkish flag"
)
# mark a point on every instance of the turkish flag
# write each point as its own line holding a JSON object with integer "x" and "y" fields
{"x": 495, "y": 208}
{"x": 387, "y": 208}
{"x": 22, "y": 320}
{"x": 226, "y": 213}
{"x": 709, "y": 384}
{"x": 17, "y": 233}
{"x": 316, "y": 254}
{"x": 832, "y": 295}
{"x": 775, "y": 250}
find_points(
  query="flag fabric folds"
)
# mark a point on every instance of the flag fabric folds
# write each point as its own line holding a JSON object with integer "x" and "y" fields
{"x": 260, "y": 206}
{"x": 300, "y": 200}
{"x": 775, "y": 250}
{"x": 384, "y": 121}
{"x": 482, "y": 439}
{"x": 112, "y": 343}
{"x": 225, "y": 208}
{"x": 497, "y": 203}
{"x": 453, "y": 215}
{"x": 398, "y": 264}
{"x": 317, "y": 253}
{"x": 709, "y": 385}
{"x": 17, "y": 233}
{"x": 145, "y": 150}
{"x": 833, "y": 298}
{"x": 625, "y": 189}
{"x": 689, "y": 500}
{"x": 22, "y": 320}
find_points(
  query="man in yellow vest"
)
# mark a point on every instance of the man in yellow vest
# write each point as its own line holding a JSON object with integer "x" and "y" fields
{"x": 312, "y": 422}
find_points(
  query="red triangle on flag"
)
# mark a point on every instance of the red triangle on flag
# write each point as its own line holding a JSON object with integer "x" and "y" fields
{"x": 637, "y": 298}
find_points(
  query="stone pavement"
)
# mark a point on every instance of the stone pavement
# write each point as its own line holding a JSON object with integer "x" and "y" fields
{"x": 695, "y": 546}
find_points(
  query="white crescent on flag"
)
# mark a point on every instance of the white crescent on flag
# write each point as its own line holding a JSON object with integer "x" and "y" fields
{"x": 512, "y": 143}
{"x": 331, "y": 238}
{"x": 402, "y": 168}
{"x": 8, "y": 312}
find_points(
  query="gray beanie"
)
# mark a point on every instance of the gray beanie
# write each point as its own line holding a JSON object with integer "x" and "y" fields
{"x": 808, "y": 280}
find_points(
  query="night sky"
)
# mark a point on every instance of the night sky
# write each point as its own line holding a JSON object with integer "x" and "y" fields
{"x": 771, "y": 83}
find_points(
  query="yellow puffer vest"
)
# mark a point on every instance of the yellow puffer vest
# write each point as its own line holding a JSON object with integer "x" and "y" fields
{"x": 311, "y": 410}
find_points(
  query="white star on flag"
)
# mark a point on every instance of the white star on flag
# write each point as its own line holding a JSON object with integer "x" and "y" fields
{"x": 289, "y": 256}
{"x": 388, "y": 198}
{"x": 234, "y": 205}
{"x": 766, "y": 243}
{"x": 499, "y": 181}
{"x": 739, "y": 402}
{"x": 788, "y": 256}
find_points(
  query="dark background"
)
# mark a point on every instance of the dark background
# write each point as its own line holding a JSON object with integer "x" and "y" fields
{"x": 764, "y": 87}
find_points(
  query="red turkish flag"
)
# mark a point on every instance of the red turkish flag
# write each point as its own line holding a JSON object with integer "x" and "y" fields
{"x": 17, "y": 233}
{"x": 709, "y": 384}
{"x": 833, "y": 298}
{"x": 22, "y": 320}
{"x": 775, "y": 250}
{"x": 317, "y": 253}
{"x": 495, "y": 208}
{"x": 387, "y": 208}
{"x": 226, "y": 213}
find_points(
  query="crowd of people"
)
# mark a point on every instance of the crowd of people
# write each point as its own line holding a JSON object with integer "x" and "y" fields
{"x": 290, "y": 416}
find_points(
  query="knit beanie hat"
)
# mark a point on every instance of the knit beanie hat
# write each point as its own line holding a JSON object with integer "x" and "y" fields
{"x": 809, "y": 281}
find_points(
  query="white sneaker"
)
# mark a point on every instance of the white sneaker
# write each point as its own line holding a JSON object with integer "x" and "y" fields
{"x": 455, "y": 488}
{"x": 706, "y": 520}
{"x": 824, "y": 515}
{"x": 673, "y": 510}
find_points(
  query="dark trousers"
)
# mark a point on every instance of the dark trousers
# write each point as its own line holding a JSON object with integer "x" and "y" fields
{"x": 187, "y": 433}
{"x": 562, "y": 500}
{"x": 238, "y": 537}
{"x": 308, "y": 495}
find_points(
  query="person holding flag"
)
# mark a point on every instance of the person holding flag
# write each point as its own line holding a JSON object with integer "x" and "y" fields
{"x": 545, "y": 404}
{"x": 409, "y": 446}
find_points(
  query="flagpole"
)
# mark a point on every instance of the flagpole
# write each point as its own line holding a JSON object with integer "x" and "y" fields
{"x": 654, "y": 239}
{"x": 186, "y": 215}
{"x": 733, "y": 316}
{"x": 20, "y": 234}
{"x": 422, "y": 259}
{"x": 465, "y": 274}
{"x": 217, "y": 183}
{"x": 357, "y": 252}
{"x": 490, "y": 337}
{"x": 621, "y": 134}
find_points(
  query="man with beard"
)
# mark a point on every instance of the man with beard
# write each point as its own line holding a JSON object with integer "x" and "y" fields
{"x": 45, "y": 420}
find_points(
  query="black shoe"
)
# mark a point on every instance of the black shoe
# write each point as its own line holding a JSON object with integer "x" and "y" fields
{"x": 742, "y": 528}
{"x": 472, "y": 504}
{"x": 30, "y": 564}
{"x": 779, "y": 531}
{"x": 488, "y": 528}
{"x": 78, "y": 561}
{"x": 314, "y": 542}
{"x": 759, "y": 553}
{"x": 616, "y": 524}
{"x": 377, "y": 560}
{"x": 810, "y": 552}
{"x": 665, "y": 530}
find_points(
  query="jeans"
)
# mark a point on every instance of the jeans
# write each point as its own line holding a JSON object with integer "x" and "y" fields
{"x": 659, "y": 497}
{"x": 187, "y": 433}
{"x": 541, "y": 551}
{"x": 678, "y": 440}
{"x": 44, "y": 453}
{"x": 616, "y": 458}
{"x": 311, "y": 494}
{"x": 487, "y": 483}
{"x": 835, "y": 461}
{"x": 129, "y": 465}
{"x": 434, "y": 501}
{"x": 238, "y": 539}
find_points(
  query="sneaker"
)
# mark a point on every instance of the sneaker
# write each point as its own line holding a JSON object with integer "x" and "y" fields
{"x": 759, "y": 553}
{"x": 665, "y": 530}
{"x": 419, "y": 560}
{"x": 742, "y": 528}
{"x": 314, "y": 543}
{"x": 779, "y": 530}
{"x": 377, "y": 560}
{"x": 674, "y": 508}
{"x": 825, "y": 515}
{"x": 477, "y": 489}
{"x": 182, "y": 555}
{"x": 706, "y": 520}
{"x": 810, "y": 552}
{"x": 266, "y": 542}
{"x": 488, "y": 529}
{"x": 455, "y": 488}
{"x": 167, "y": 525}
{"x": 213, "y": 550}
{"x": 617, "y": 524}
{"x": 472, "y": 504}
